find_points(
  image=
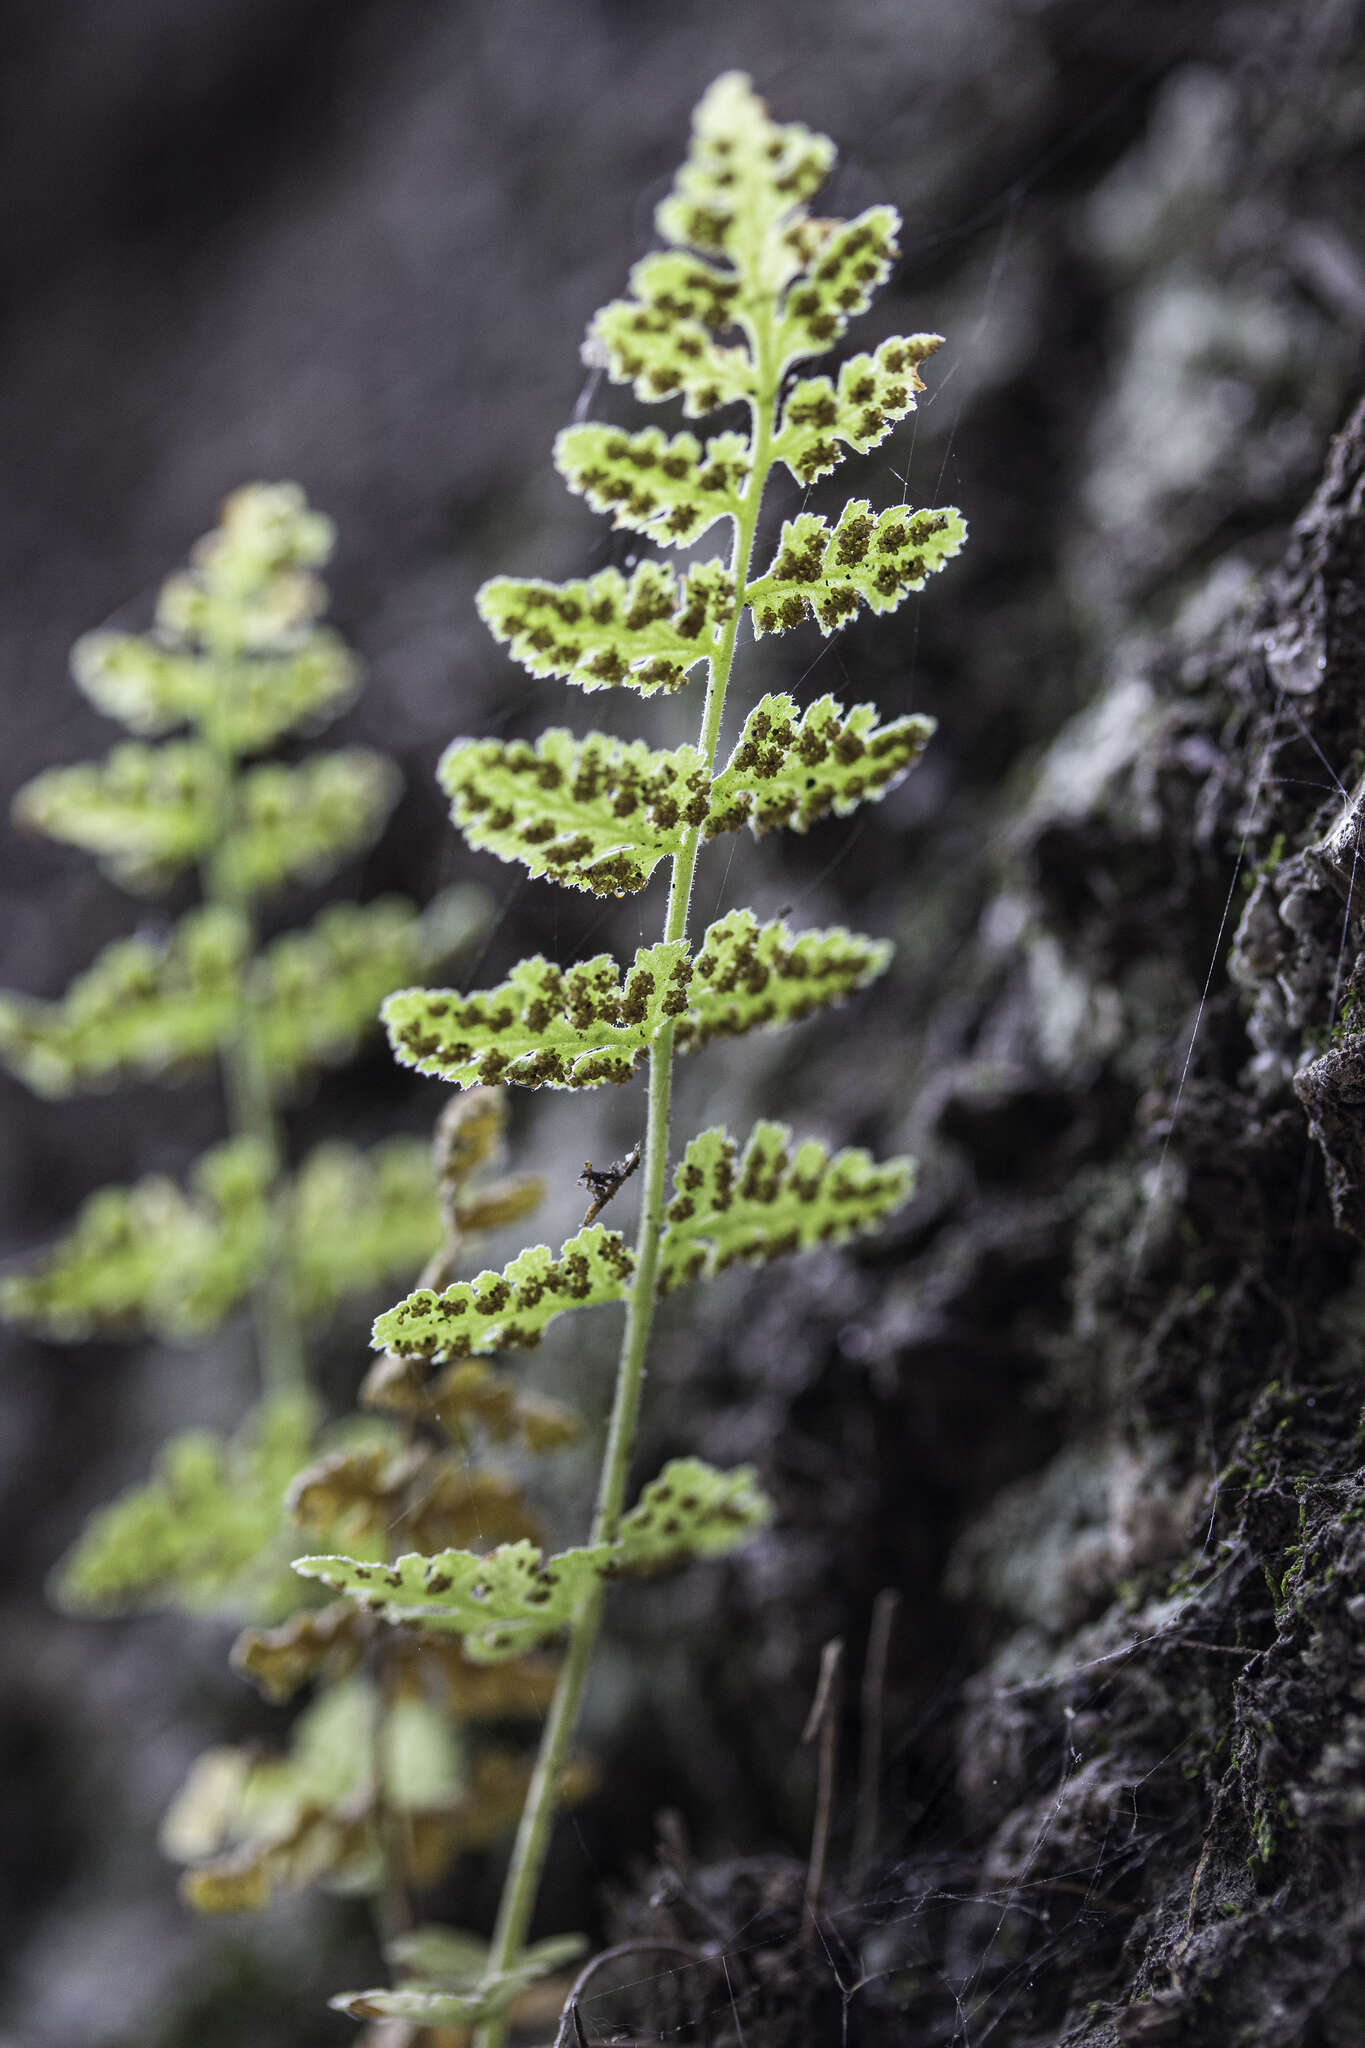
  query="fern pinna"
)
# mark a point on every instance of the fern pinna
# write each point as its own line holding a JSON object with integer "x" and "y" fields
{"x": 751, "y": 286}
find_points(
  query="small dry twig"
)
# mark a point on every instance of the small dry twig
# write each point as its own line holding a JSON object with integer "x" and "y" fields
{"x": 605, "y": 1181}
{"x": 823, "y": 1720}
{"x": 870, "y": 1753}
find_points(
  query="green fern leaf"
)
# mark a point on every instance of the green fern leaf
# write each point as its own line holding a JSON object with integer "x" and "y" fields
{"x": 691, "y": 1510}
{"x": 648, "y": 633}
{"x": 595, "y": 814}
{"x": 873, "y": 393}
{"x": 469, "y": 1395}
{"x": 497, "y": 1311}
{"x": 662, "y": 340}
{"x": 744, "y": 178}
{"x": 792, "y": 769}
{"x": 360, "y": 1220}
{"x": 514, "y": 1598}
{"x": 144, "y": 812}
{"x": 672, "y": 490}
{"x": 877, "y": 560}
{"x": 150, "y": 1258}
{"x": 545, "y": 1026}
{"x": 317, "y": 991}
{"x": 144, "y": 1007}
{"x": 771, "y": 1201}
{"x": 844, "y": 262}
{"x": 750, "y": 977}
{"x": 300, "y": 824}
{"x": 206, "y": 1532}
{"x": 502, "y": 1604}
{"x": 237, "y": 651}
{"x": 246, "y": 705}
{"x": 450, "y": 1982}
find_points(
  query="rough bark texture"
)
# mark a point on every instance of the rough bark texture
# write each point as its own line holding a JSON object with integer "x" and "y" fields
{"x": 1093, "y": 1408}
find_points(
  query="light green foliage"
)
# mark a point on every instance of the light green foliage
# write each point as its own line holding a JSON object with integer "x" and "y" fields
{"x": 649, "y": 632}
{"x": 161, "y": 1009}
{"x": 577, "y": 1028}
{"x": 691, "y": 1510}
{"x": 873, "y": 559}
{"x": 206, "y": 1532}
{"x": 145, "y": 1008}
{"x": 672, "y": 490}
{"x": 872, "y": 395}
{"x": 793, "y": 768}
{"x": 600, "y": 813}
{"x": 663, "y": 339}
{"x": 237, "y": 651}
{"x": 515, "y": 1597}
{"x": 145, "y": 812}
{"x": 149, "y": 812}
{"x": 749, "y": 976}
{"x": 595, "y": 814}
{"x": 771, "y": 1201}
{"x": 300, "y": 824}
{"x": 500, "y": 1605}
{"x": 151, "y": 1257}
{"x": 545, "y": 1026}
{"x": 451, "y": 1983}
{"x": 360, "y": 1219}
{"x": 840, "y": 264}
{"x": 512, "y": 1309}
{"x": 317, "y": 992}
{"x": 740, "y": 192}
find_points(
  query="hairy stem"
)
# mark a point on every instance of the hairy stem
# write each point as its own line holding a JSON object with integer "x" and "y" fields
{"x": 533, "y": 1834}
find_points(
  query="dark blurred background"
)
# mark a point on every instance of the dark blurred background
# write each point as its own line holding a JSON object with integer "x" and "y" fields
{"x": 357, "y": 245}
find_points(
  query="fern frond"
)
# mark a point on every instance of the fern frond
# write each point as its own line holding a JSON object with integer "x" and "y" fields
{"x": 514, "y": 1597}
{"x": 300, "y": 824}
{"x": 672, "y": 490}
{"x": 744, "y": 177}
{"x": 843, "y": 262}
{"x": 359, "y": 1220}
{"x": 317, "y": 991}
{"x": 545, "y": 1026}
{"x": 771, "y": 1201}
{"x": 151, "y": 1259}
{"x": 689, "y": 1511}
{"x": 663, "y": 339}
{"x": 873, "y": 393}
{"x": 146, "y": 813}
{"x": 500, "y": 1311}
{"x": 596, "y": 814}
{"x": 206, "y": 1532}
{"x": 237, "y": 651}
{"x": 751, "y": 977}
{"x": 648, "y": 633}
{"x": 451, "y": 1986}
{"x": 501, "y": 1604}
{"x": 791, "y": 768}
{"x": 873, "y": 559}
{"x": 144, "y": 1007}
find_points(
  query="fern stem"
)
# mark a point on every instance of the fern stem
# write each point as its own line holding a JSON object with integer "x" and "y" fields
{"x": 251, "y": 1114}
{"x": 533, "y": 1835}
